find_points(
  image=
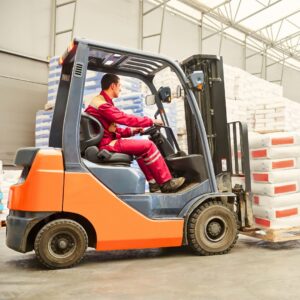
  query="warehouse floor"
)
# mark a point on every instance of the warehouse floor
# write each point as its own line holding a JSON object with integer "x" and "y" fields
{"x": 253, "y": 270}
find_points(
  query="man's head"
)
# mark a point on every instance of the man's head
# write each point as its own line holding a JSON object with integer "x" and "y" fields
{"x": 110, "y": 83}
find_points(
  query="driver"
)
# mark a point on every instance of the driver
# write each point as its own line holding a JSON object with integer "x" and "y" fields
{"x": 147, "y": 155}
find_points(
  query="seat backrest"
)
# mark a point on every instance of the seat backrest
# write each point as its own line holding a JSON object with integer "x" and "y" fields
{"x": 91, "y": 131}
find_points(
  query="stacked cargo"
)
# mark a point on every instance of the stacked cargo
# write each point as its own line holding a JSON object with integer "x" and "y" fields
{"x": 131, "y": 100}
{"x": 275, "y": 114}
{"x": 244, "y": 93}
{"x": 180, "y": 124}
{"x": 92, "y": 86}
{"x": 275, "y": 179}
{"x": 42, "y": 127}
{"x": 53, "y": 81}
{"x": 7, "y": 178}
{"x": 1, "y": 192}
{"x": 44, "y": 117}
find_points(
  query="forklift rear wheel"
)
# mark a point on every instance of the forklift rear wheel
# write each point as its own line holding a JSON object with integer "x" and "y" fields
{"x": 212, "y": 229}
{"x": 61, "y": 244}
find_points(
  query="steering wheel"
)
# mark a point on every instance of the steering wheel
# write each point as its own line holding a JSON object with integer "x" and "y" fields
{"x": 151, "y": 130}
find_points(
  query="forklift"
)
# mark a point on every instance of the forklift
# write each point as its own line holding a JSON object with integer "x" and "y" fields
{"x": 71, "y": 195}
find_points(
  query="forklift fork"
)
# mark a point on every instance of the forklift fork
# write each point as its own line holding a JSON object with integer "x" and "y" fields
{"x": 240, "y": 168}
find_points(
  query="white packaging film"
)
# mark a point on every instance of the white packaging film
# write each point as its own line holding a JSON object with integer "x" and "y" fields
{"x": 268, "y": 165}
{"x": 281, "y": 176}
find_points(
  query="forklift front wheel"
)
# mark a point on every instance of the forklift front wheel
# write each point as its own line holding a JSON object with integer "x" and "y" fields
{"x": 61, "y": 244}
{"x": 212, "y": 229}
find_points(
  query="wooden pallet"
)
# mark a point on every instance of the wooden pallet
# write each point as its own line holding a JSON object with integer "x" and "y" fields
{"x": 275, "y": 235}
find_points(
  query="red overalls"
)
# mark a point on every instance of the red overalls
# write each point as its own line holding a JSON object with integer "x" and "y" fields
{"x": 147, "y": 155}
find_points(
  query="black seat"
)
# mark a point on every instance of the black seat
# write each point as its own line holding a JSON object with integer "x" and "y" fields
{"x": 91, "y": 133}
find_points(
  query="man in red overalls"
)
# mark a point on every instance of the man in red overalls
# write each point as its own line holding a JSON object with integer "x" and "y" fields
{"x": 147, "y": 155}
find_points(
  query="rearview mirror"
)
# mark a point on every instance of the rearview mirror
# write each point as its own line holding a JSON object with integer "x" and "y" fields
{"x": 150, "y": 100}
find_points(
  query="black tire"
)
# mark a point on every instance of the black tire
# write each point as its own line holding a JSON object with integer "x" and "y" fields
{"x": 212, "y": 229}
{"x": 61, "y": 244}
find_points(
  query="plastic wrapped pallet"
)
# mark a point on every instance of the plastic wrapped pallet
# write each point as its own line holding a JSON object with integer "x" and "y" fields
{"x": 276, "y": 176}
{"x": 275, "y": 153}
{"x": 42, "y": 128}
{"x": 279, "y": 223}
{"x": 275, "y": 179}
{"x": 53, "y": 81}
{"x": 1, "y": 183}
{"x": 276, "y": 201}
{"x": 273, "y": 164}
{"x": 9, "y": 177}
{"x": 274, "y": 139}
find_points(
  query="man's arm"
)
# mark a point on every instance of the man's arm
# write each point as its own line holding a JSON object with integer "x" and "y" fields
{"x": 114, "y": 115}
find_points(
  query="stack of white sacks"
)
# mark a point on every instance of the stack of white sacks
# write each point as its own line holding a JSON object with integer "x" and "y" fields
{"x": 7, "y": 178}
{"x": 53, "y": 81}
{"x": 275, "y": 174}
{"x": 274, "y": 139}
{"x": 1, "y": 193}
{"x": 131, "y": 100}
{"x": 244, "y": 94}
{"x": 42, "y": 127}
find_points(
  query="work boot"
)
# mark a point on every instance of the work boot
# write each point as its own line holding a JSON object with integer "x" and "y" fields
{"x": 154, "y": 187}
{"x": 172, "y": 185}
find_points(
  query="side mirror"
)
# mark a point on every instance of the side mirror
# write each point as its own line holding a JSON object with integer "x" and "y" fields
{"x": 150, "y": 100}
{"x": 164, "y": 94}
{"x": 197, "y": 79}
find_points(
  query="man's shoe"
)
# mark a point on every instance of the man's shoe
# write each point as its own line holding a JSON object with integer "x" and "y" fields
{"x": 172, "y": 185}
{"x": 154, "y": 187}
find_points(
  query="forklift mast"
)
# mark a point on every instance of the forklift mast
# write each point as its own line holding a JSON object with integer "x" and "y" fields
{"x": 228, "y": 142}
{"x": 212, "y": 104}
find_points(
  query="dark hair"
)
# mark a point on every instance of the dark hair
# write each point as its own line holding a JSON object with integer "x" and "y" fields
{"x": 108, "y": 79}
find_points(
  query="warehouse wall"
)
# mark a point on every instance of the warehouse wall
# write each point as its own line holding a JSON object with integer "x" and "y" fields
{"x": 24, "y": 29}
{"x": 23, "y": 91}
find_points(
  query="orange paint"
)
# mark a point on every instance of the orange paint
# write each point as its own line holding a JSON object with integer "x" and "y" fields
{"x": 286, "y": 212}
{"x": 259, "y": 153}
{"x": 285, "y": 188}
{"x": 117, "y": 225}
{"x": 256, "y": 200}
{"x": 290, "y": 163}
{"x": 263, "y": 222}
{"x": 43, "y": 187}
{"x": 260, "y": 177}
{"x": 283, "y": 141}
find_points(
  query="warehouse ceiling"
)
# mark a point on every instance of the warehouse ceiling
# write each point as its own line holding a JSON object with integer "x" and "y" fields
{"x": 270, "y": 27}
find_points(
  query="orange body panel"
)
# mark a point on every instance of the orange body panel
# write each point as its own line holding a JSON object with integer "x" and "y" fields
{"x": 43, "y": 188}
{"x": 117, "y": 225}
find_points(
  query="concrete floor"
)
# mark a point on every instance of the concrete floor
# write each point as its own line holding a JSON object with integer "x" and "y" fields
{"x": 253, "y": 270}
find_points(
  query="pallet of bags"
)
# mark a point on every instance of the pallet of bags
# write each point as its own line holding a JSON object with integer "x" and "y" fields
{"x": 53, "y": 81}
{"x": 9, "y": 177}
{"x": 275, "y": 177}
{"x": 42, "y": 127}
{"x": 1, "y": 184}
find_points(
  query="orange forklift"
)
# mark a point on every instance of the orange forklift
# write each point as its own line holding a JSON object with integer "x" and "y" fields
{"x": 71, "y": 196}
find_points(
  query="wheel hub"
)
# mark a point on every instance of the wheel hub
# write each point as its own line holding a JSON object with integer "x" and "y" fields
{"x": 215, "y": 229}
{"x": 62, "y": 245}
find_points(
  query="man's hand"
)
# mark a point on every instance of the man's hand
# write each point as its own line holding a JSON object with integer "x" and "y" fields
{"x": 137, "y": 130}
{"x": 158, "y": 122}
